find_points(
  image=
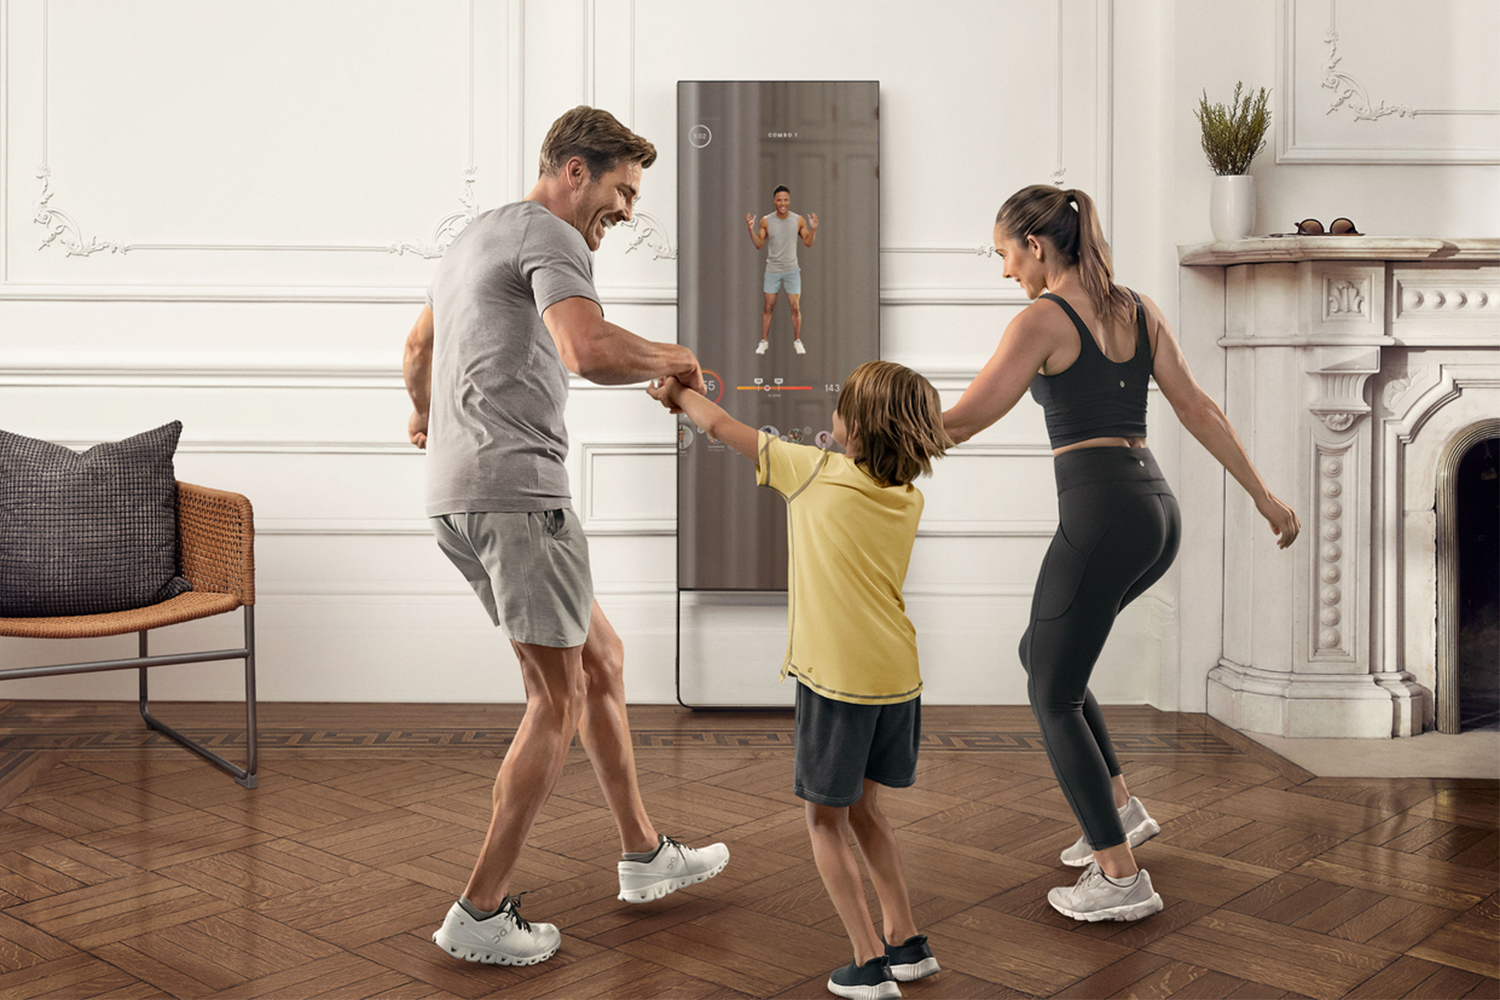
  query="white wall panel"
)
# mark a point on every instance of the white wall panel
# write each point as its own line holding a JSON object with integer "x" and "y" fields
{"x": 278, "y": 200}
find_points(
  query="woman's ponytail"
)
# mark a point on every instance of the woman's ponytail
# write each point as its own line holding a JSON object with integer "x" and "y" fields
{"x": 1095, "y": 268}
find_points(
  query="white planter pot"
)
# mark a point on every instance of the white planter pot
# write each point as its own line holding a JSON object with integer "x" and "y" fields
{"x": 1231, "y": 207}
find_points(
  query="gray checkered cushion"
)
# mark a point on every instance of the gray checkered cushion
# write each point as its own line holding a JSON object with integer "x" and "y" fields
{"x": 84, "y": 534}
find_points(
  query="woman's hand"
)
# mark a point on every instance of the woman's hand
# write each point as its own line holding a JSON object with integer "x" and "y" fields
{"x": 1283, "y": 519}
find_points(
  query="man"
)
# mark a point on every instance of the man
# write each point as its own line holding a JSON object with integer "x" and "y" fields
{"x": 782, "y": 231}
{"x": 511, "y": 310}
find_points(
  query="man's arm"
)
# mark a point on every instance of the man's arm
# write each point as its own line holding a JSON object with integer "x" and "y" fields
{"x": 416, "y": 369}
{"x": 708, "y": 415}
{"x": 602, "y": 352}
{"x": 758, "y": 237}
{"x": 807, "y": 228}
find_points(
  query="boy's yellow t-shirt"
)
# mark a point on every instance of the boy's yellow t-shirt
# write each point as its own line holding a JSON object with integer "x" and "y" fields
{"x": 850, "y": 539}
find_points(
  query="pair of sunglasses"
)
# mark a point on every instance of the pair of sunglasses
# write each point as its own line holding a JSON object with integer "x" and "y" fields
{"x": 1339, "y": 227}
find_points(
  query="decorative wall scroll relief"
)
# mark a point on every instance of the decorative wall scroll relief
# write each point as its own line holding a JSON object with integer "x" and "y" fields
{"x": 650, "y": 233}
{"x": 448, "y": 227}
{"x": 65, "y": 231}
{"x": 1349, "y": 94}
{"x": 62, "y": 228}
{"x": 1342, "y": 373}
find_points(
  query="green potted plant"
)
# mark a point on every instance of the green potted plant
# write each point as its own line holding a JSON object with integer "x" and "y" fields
{"x": 1232, "y": 135}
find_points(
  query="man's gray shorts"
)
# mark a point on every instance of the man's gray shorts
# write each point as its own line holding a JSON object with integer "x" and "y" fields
{"x": 529, "y": 568}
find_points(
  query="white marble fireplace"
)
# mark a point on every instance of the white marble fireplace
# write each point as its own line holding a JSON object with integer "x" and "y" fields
{"x": 1361, "y": 368}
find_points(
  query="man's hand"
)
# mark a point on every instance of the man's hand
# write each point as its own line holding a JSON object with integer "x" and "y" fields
{"x": 416, "y": 429}
{"x": 812, "y": 221}
{"x": 691, "y": 378}
{"x": 750, "y": 222}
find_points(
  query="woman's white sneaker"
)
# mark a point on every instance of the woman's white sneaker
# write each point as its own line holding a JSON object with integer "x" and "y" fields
{"x": 1139, "y": 828}
{"x": 672, "y": 866}
{"x": 1096, "y": 897}
{"x": 503, "y": 939}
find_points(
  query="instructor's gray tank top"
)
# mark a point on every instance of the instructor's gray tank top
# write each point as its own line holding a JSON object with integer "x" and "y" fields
{"x": 781, "y": 241}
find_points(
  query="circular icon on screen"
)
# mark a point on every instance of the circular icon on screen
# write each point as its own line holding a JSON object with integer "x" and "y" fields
{"x": 771, "y": 431}
{"x": 824, "y": 440}
{"x": 700, "y": 136}
{"x": 684, "y": 436}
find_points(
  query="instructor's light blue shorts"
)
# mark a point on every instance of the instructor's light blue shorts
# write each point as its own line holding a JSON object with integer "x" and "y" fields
{"x": 790, "y": 280}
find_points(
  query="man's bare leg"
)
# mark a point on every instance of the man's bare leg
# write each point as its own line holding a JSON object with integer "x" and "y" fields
{"x": 765, "y": 316}
{"x": 605, "y": 731}
{"x": 554, "y": 695}
{"x": 796, "y": 304}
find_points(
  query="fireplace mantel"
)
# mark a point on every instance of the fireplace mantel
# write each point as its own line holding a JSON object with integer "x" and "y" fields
{"x": 1353, "y": 367}
{"x": 1282, "y": 249}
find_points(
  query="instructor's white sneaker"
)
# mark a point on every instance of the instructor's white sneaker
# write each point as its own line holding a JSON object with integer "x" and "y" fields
{"x": 504, "y": 939}
{"x": 762, "y": 346}
{"x": 674, "y": 865}
{"x": 797, "y": 346}
{"x": 1096, "y": 897}
{"x": 1139, "y": 828}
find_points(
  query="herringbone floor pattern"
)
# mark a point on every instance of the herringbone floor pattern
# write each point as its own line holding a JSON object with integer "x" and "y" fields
{"x": 128, "y": 868}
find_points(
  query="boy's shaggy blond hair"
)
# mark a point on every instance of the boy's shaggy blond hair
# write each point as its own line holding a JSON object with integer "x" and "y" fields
{"x": 895, "y": 418}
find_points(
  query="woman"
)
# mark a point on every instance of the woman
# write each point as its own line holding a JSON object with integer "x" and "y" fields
{"x": 1087, "y": 352}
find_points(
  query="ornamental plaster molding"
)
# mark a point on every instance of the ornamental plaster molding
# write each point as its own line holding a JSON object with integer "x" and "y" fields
{"x": 1342, "y": 374}
{"x": 1329, "y": 639}
{"x": 64, "y": 230}
{"x": 650, "y": 233}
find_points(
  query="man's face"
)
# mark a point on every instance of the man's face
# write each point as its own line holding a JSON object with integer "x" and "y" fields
{"x": 600, "y": 203}
{"x": 783, "y": 202}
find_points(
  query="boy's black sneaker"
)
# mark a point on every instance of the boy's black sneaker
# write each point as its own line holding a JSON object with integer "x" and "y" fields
{"x": 911, "y": 959}
{"x": 871, "y": 981}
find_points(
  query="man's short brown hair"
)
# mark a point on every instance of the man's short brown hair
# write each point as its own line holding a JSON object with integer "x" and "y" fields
{"x": 597, "y": 137}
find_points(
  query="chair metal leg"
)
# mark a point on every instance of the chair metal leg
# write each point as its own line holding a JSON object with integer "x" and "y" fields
{"x": 246, "y": 776}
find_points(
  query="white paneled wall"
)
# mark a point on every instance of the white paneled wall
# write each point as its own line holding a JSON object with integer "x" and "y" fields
{"x": 227, "y": 215}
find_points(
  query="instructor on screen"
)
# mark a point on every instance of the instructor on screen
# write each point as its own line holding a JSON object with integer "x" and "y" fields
{"x": 781, "y": 232}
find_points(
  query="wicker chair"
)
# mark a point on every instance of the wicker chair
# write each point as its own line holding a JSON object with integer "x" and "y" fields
{"x": 216, "y": 539}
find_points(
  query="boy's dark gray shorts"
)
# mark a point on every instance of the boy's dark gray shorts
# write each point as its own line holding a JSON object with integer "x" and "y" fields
{"x": 840, "y": 744}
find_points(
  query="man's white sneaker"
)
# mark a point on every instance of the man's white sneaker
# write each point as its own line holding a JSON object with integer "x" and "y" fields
{"x": 797, "y": 346}
{"x": 673, "y": 866}
{"x": 761, "y": 347}
{"x": 1095, "y": 897}
{"x": 1139, "y": 828}
{"x": 504, "y": 939}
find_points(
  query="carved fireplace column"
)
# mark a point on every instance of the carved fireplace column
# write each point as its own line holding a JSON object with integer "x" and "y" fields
{"x": 1306, "y": 324}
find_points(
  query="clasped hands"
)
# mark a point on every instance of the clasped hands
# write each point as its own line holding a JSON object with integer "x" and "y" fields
{"x": 667, "y": 391}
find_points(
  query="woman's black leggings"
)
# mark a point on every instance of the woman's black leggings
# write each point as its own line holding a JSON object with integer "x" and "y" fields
{"x": 1118, "y": 531}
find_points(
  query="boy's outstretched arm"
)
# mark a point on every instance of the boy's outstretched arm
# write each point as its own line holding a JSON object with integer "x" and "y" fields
{"x": 708, "y": 415}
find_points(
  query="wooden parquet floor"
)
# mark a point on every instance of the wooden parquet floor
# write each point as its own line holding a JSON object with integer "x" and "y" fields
{"x": 129, "y": 868}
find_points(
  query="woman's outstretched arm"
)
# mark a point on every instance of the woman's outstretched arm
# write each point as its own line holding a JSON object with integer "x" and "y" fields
{"x": 1206, "y": 421}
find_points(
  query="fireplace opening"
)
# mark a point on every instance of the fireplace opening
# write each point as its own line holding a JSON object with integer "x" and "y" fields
{"x": 1477, "y": 542}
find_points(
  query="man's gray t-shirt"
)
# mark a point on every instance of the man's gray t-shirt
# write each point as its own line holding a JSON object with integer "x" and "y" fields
{"x": 495, "y": 434}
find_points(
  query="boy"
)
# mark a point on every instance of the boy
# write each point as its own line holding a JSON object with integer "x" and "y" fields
{"x": 851, "y": 522}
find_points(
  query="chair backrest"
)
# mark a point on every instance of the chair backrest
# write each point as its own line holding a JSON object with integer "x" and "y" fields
{"x": 216, "y": 539}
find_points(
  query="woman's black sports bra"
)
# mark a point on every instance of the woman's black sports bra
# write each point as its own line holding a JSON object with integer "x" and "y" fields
{"x": 1096, "y": 397}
